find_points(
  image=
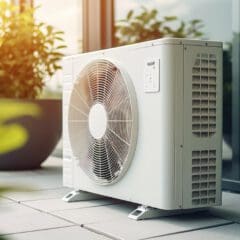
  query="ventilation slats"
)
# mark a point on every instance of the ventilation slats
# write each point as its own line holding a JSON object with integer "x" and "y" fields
{"x": 203, "y": 177}
{"x": 204, "y": 74}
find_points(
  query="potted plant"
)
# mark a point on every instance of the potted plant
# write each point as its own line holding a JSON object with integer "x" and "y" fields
{"x": 30, "y": 53}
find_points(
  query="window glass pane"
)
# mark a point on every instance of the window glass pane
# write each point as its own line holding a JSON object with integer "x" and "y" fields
{"x": 66, "y": 16}
{"x": 216, "y": 15}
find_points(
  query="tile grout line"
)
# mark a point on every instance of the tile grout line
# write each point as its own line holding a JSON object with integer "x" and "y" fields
{"x": 191, "y": 230}
{"x": 63, "y": 227}
{"x": 37, "y": 230}
{"x": 100, "y": 233}
{"x": 7, "y": 198}
{"x": 62, "y": 218}
{"x": 48, "y": 213}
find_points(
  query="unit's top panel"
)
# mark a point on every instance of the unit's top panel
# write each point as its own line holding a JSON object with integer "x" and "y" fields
{"x": 185, "y": 41}
{"x": 162, "y": 41}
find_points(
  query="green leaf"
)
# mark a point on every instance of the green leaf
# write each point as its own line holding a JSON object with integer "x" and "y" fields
{"x": 196, "y": 21}
{"x": 3, "y": 238}
{"x": 198, "y": 34}
{"x": 129, "y": 15}
{"x": 57, "y": 67}
{"x": 170, "y": 18}
{"x": 49, "y": 29}
{"x": 60, "y": 39}
{"x": 57, "y": 54}
{"x": 14, "y": 136}
{"x": 61, "y": 47}
{"x": 154, "y": 13}
{"x": 59, "y": 33}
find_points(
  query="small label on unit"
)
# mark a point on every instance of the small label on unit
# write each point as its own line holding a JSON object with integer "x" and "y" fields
{"x": 152, "y": 76}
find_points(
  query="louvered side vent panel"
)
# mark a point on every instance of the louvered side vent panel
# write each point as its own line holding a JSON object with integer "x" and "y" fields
{"x": 203, "y": 177}
{"x": 204, "y": 76}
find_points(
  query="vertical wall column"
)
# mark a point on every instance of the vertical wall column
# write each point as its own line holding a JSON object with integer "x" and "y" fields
{"x": 98, "y": 20}
{"x": 236, "y": 91}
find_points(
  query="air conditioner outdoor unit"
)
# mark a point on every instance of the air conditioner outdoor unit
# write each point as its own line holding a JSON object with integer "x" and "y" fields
{"x": 143, "y": 123}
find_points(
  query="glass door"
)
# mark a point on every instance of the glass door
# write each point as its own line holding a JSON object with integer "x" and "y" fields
{"x": 141, "y": 20}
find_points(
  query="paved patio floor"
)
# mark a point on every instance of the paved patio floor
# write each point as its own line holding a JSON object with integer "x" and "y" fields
{"x": 38, "y": 213}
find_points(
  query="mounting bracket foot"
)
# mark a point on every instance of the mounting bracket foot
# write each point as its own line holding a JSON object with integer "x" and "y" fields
{"x": 76, "y": 196}
{"x": 145, "y": 212}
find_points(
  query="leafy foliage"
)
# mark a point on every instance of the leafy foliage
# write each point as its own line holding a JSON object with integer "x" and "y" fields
{"x": 14, "y": 136}
{"x": 2, "y": 238}
{"x": 30, "y": 51}
{"x": 146, "y": 26}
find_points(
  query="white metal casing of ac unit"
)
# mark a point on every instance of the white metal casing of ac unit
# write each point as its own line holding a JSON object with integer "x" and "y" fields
{"x": 177, "y": 161}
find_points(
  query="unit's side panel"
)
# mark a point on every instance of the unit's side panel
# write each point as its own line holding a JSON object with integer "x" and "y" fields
{"x": 202, "y": 126}
{"x": 67, "y": 159}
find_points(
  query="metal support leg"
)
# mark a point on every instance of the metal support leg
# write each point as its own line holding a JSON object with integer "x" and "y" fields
{"x": 76, "y": 196}
{"x": 145, "y": 212}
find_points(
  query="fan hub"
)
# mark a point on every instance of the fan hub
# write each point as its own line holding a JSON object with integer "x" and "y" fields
{"x": 97, "y": 120}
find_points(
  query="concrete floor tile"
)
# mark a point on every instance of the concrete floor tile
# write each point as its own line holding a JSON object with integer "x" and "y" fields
{"x": 96, "y": 214}
{"x": 36, "y": 180}
{"x": 17, "y": 218}
{"x": 51, "y": 205}
{"x": 124, "y": 228}
{"x": 73, "y": 233}
{"x": 226, "y": 232}
{"x": 5, "y": 200}
{"x": 52, "y": 162}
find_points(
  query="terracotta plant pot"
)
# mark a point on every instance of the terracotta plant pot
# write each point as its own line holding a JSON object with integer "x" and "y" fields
{"x": 44, "y": 133}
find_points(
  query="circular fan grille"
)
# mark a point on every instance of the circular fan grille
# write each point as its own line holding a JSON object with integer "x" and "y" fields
{"x": 102, "y": 121}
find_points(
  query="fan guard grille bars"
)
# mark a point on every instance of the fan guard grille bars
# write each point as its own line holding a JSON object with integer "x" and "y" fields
{"x": 107, "y": 158}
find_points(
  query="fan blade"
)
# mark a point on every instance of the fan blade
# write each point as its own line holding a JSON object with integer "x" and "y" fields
{"x": 123, "y": 128}
{"x": 78, "y": 132}
{"x": 77, "y": 97}
{"x": 114, "y": 160}
{"x": 118, "y": 95}
{"x": 121, "y": 111}
{"x": 120, "y": 146}
{"x": 76, "y": 113}
{"x": 109, "y": 143}
{"x": 82, "y": 90}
